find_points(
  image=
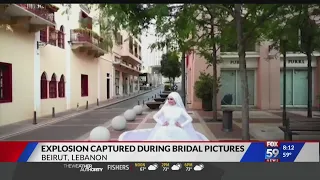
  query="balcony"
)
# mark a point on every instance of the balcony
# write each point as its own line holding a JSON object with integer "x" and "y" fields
{"x": 85, "y": 40}
{"x": 127, "y": 68}
{"x": 131, "y": 56}
{"x": 34, "y": 17}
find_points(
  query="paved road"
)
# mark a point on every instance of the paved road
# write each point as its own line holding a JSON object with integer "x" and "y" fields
{"x": 75, "y": 127}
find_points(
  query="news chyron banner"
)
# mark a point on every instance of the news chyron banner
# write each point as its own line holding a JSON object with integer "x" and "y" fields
{"x": 270, "y": 151}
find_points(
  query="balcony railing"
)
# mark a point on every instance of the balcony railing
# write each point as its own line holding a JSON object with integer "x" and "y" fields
{"x": 86, "y": 35}
{"x": 123, "y": 63}
{"x": 41, "y": 10}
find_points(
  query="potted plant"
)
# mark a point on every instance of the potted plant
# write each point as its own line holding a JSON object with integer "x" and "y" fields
{"x": 203, "y": 89}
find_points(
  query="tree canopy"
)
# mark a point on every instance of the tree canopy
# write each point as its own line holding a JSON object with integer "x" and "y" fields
{"x": 209, "y": 28}
{"x": 170, "y": 65}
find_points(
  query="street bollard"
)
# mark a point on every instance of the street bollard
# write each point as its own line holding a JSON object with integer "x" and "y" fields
{"x": 53, "y": 112}
{"x": 87, "y": 105}
{"x": 34, "y": 117}
{"x": 148, "y": 99}
{"x": 151, "y": 96}
{"x": 97, "y": 102}
{"x": 155, "y": 95}
{"x": 138, "y": 102}
{"x": 143, "y": 102}
{"x": 227, "y": 121}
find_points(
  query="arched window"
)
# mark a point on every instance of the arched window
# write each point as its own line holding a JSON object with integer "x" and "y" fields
{"x": 53, "y": 86}
{"x": 61, "y": 88}
{"x": 61, "y": 37}
{"x": 44, "y": 86}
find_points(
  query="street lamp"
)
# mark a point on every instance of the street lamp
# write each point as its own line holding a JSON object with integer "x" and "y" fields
{"x": 283, "y": 49}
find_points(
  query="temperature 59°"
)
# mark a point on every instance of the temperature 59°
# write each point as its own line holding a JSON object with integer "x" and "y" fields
{"x": 286, "y": 154}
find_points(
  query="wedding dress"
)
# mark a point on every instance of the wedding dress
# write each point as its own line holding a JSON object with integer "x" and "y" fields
{"x": 171, "y": 114}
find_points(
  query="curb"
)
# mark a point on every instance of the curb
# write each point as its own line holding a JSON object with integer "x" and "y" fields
{"x": 64, "y": 118}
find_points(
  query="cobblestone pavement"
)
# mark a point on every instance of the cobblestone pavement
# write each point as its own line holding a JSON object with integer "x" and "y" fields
{"x": 75, "y": 125}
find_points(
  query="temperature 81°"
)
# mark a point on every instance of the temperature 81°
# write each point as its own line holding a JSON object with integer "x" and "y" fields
{"x": 286, "y": 154}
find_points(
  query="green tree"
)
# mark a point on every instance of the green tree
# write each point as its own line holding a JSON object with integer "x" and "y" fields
{"x": 248, "y": 19}
{"x": 207, "y": 41}
{"x": 184, "y": 30}
{"x": 298, "y": 24}
{"x": 170, "y": 65}
{"x": 189, "y": 25}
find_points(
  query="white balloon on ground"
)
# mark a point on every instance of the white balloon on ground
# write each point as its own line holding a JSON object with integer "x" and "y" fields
{"x": 130, "y": 115}
{"x": 138, "y": 109}
{"x": 118, "y": 123}
{"x": 99, "y": 133}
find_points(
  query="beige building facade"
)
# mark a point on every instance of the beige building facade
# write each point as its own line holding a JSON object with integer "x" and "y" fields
{"x": 265, "y": 79}
{"x": 51, "y": 59}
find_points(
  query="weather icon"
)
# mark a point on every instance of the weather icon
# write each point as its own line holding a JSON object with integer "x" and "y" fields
{"x": 153, "y": 167}
{"x": 176, "y": 167}
{"x": 198, "y": 167}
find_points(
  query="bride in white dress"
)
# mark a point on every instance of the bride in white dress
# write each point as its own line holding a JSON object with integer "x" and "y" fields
{"x": 174, "y": 123}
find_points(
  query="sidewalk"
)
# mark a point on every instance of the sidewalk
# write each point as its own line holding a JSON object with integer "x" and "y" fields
{"x": 146, "y": 121}
{"x": 263, "y": 125}
{"x": 11, "y": 130}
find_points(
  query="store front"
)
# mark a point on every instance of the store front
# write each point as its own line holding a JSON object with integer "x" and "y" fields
{"x": 231, "y": 90}
{"x": 296, "y": 81}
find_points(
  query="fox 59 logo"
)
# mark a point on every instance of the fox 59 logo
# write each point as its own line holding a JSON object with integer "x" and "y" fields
{"x": 272, "y": 150}
{"x": 272, "y": 153}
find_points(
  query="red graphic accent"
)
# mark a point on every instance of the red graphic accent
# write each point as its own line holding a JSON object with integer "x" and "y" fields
{"x": 11, "y": 151}
{"x": 272, "y": 144}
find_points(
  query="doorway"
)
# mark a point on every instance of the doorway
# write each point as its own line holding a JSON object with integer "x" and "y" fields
{"x": 108, "y": 88}
{"x": 296, "y": 87}
{"x": 117, "y": 82}
{"x": 231, "y": 90}
{"x": 124, "y": 84}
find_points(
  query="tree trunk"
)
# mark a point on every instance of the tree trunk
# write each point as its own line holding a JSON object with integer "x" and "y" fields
{"x": 214, "y": 66}
{"x": 309, "y": 58}
{"x": 183, "y": 78}
{"x": 243, "y": 73}
{"x": 214, "y": 88}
